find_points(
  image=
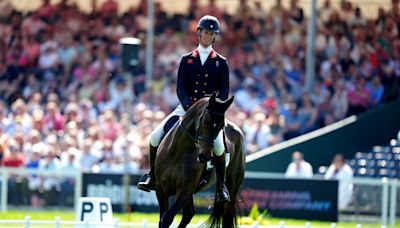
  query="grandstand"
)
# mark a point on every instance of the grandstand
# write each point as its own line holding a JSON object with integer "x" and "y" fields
{"x": 67, "y": 104}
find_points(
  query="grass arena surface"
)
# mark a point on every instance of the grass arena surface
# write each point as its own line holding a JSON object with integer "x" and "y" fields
{"x": 153, "y": 218}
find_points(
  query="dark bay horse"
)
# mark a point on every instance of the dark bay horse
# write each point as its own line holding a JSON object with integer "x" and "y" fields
{"x": 178, "y": 169}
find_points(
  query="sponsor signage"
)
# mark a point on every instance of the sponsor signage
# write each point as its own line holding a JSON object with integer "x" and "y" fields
{"x": 286, "y": 198}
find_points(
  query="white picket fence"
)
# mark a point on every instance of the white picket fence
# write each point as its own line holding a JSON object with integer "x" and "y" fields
{"x": 58, "y": 223}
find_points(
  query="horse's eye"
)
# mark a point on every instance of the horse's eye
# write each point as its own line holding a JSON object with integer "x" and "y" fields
{"x": 214, "y": 125}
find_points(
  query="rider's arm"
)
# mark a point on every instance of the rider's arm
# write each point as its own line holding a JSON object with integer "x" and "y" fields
{"x": 180, "y": 87}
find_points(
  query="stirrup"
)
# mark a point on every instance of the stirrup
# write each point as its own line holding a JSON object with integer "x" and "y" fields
{"x": 147, "y": 185}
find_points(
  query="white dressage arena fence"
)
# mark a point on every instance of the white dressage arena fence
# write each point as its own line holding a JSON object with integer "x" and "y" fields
{"x": 387, "y": 198}
{"x": 58, "y": 223}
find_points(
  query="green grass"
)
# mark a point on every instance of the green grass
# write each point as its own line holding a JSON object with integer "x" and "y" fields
{"x": 153, "y": 218}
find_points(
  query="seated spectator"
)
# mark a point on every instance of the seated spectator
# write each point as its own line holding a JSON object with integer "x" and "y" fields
{"x": 247, "y": 98}
{"x": 46, "y": 10}
{"x": 51, "y": 185}
{"x": 357, "y": 19}
{"x": 107, "y": 165}
{"x": 109, "y": 9}
{"x": 325, "y": 12}
{"x": 17, "y": 185}
{"x": 4, "y": 120}
{"x": 53, "y": 120}
{"x": 341, "y": 171}
{"x": 48, "y": 59}
{"x": 339, "y": 101}
{"x": 296, "y": 13}
{"x": 277, "y": 12}
{"x": 376, "y": 90}
{"x": 87, "y": 160}
{"x": 21, "y": 120}
{"x": 292, "y": 123}
{"x": 276, "y": 124}
{"x": 34, "y": 181}
{"x": 359, "y": 98}
{"x": 6, "y": 8}
{"x": 68, "y": 183}
{"x": 257, "y": 133}
{"x": 308, "y": 114}
{"x": 299, "y": 168}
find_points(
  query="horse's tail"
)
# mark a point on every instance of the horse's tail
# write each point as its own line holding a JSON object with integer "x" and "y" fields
{"x": 223, "y": 215}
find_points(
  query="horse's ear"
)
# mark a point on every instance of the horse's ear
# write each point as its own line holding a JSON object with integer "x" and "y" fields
{"x": 213, "y": 96}
{"x": 228, "y": 103}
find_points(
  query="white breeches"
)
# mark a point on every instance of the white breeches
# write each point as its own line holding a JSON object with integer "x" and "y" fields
{"x": 158, "y": 132}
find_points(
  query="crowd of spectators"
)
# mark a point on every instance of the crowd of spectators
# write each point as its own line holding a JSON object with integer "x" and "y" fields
{"x": 65, "y": 102}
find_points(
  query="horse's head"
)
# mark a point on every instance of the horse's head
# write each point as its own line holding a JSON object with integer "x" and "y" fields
{"x": 209, "y": 125}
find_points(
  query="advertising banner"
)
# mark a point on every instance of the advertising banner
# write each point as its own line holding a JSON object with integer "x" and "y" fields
{"x": 285, "y": 198}
{"x": 293, "y": 198}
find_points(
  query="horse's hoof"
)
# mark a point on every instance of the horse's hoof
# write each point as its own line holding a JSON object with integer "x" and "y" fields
{"x": 223, "y": 197}
{"x": 202, "y": 183}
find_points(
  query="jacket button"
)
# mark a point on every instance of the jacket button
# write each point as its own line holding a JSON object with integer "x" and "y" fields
{"x": 204, "y": 91}
{"x": 206, "y": 75}
{"x": 205, "y": 83}
{"x": 197, "y": 83}
{"x": 195, "y": 91}
{"x": 198, "y": 75}
{"x": 195, "y": 99}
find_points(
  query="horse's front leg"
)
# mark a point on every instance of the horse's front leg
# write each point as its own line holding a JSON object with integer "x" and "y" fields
{"x": 163, "y": 201}
{"x": 188, "y": 213}
{"x": 182, "y": 200}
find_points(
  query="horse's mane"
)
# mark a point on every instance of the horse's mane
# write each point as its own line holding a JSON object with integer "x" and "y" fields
{"x": 196, "y": 109}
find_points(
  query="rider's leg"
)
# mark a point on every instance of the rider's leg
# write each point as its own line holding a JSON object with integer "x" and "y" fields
{"x": 147, "y": 181}
{"x": 219, "y": 162}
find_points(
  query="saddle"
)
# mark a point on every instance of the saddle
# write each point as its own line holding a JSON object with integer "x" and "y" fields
{"x": 169, "y": 125}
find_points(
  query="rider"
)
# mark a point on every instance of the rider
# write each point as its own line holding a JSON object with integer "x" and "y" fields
{"x": 201, "y": 72}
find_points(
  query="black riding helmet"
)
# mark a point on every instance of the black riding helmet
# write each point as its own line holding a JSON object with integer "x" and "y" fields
{"x": 208, "y": 22}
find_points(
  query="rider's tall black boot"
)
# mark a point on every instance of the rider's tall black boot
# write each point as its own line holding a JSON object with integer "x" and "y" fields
{"x": 222, "y": 194}
{"x": 147, "y": 182}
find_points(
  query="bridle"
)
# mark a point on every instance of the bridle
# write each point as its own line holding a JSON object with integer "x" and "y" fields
{"x": 197, "y": 138}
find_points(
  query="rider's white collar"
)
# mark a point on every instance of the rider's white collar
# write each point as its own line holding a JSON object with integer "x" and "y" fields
{"x": 204, "y": 53}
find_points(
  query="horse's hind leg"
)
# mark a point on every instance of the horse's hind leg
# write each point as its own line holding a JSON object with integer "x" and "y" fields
{"x": 181, "y": 201}
{"x": 188, "y": 213}
{"x": 233, "y": 181}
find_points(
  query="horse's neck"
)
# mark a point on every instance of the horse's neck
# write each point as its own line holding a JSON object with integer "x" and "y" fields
{"x": 190, "y": 117}
{"x": 189, "y": 125}
{"x": 184, "y": 134}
